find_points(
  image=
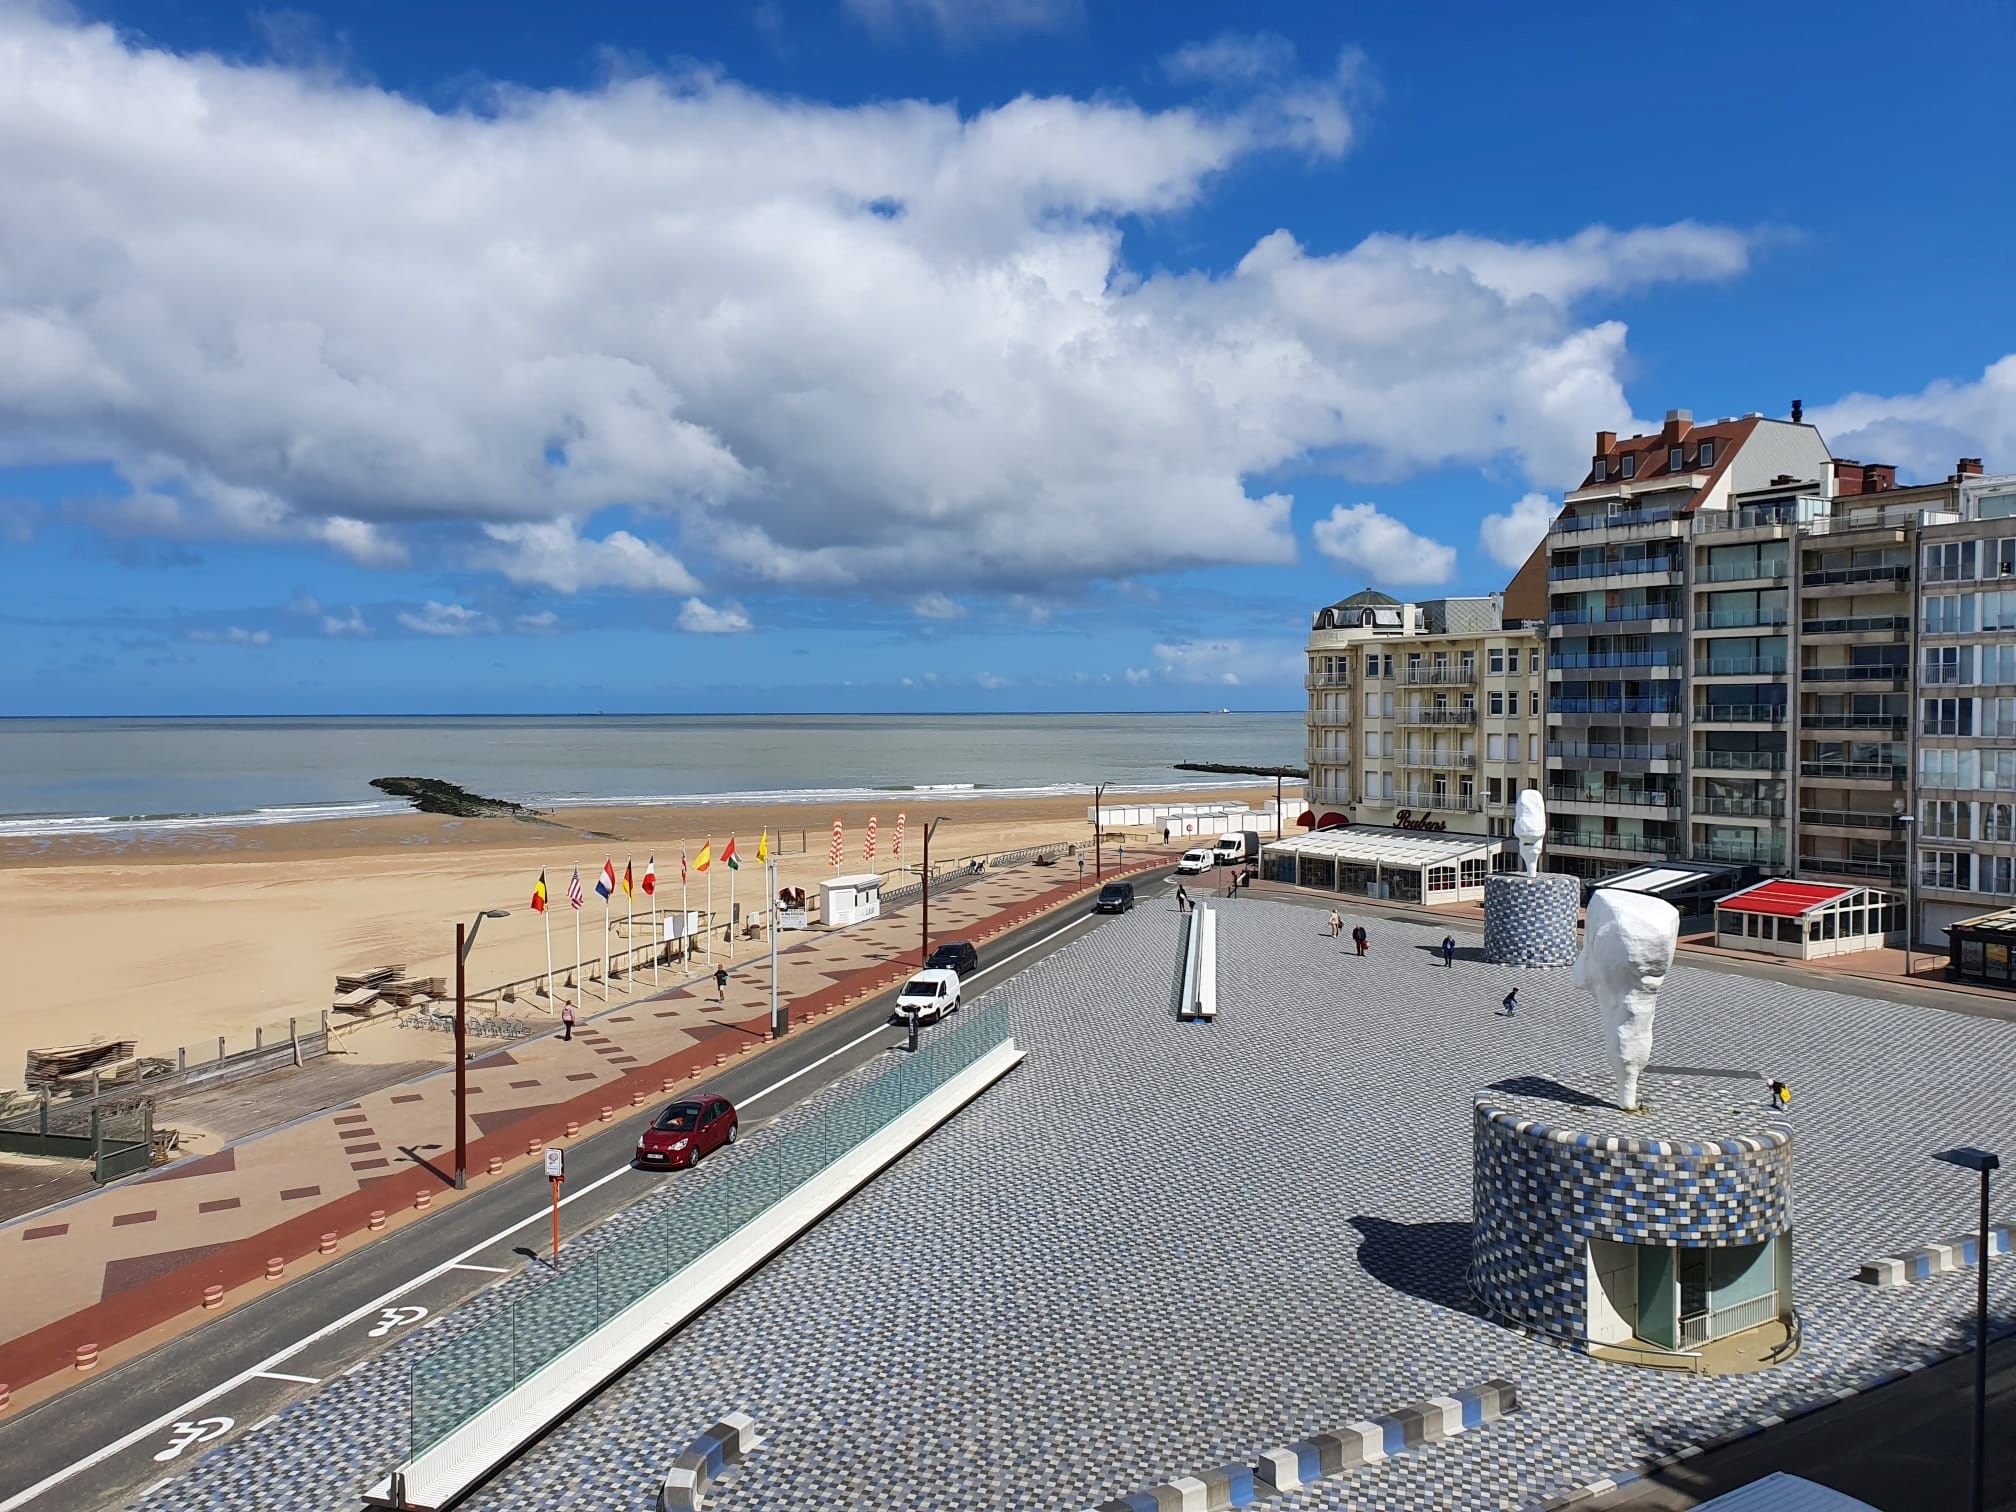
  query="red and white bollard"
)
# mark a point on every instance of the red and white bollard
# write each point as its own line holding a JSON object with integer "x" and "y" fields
{"x": 607, "y": 1113}
{"x": 534, "y": 1146}
{"x": 213, "y": 1296}
{"x": 496, "y": 1164}
{"x": 87, "y": 1356}
{"x": 573, "y": 1128}
{"x": 276, "y": 1267}
{"x": 326, "y": 1245}
{"x": 377, "y": 1220}
{"x": 423, "y": 1201}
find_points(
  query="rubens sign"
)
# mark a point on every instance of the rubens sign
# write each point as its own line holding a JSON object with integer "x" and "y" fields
{"x": 1405, "y": 820}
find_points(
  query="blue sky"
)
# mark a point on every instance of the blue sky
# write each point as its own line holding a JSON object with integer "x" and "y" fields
{"x": 918, "y": 354}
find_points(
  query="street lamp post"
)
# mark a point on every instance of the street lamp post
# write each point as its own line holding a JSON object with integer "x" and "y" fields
{"x": 777, "y": 1023}
{"x": 1098, "y": 829}
{"x": 924, "y": 943}
{"x": 1909, "y": 824}
{"x": 1983, "y": 1161}
{"x": 465, "y": 940}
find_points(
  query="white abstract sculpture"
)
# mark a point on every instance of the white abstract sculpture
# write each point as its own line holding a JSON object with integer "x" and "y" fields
{"x": 1529, "y": 825}
{"x": 1627, "y": 948}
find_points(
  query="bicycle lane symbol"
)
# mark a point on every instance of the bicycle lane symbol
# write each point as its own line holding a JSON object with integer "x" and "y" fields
{"x": 188, "y": 1435}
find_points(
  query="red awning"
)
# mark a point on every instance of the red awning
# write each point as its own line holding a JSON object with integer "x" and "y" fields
{"x": 1333, "y": 820}
{"x": 1785, "y": 900}
{"x": 1306, "y": 819}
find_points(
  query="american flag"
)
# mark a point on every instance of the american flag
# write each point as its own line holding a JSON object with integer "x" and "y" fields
{"x": 574, "y": 889}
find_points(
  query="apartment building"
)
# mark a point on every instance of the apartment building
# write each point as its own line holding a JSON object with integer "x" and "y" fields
{"x": 1423, "y": 716}
{"x": 1628, "y": 591}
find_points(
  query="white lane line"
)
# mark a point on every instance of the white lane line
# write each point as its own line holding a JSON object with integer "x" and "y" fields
{"x": 264, "y": 1423}
{"x": 492, "y": 1270}
{"x": 156, "y": 1487}
{"x": 281, "y": 1375}
{"x": 265, "y": 1367}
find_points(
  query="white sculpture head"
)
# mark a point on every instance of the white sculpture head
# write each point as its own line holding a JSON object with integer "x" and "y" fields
{"x": 1627, "y": 949}
{"x": 1529, "y": 826}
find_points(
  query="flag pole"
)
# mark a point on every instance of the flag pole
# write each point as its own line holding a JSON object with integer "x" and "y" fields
{"x": 605, "y": 947}
{"x": 576, "y": 973}
{"x": 546, "y": 913}
{"x": 685, "y": 912}
{"x": 710, "y": 907}
{"x": 629, "y": 924}
{"x": 731, "y": 901}
{"x": 657, "y": 944}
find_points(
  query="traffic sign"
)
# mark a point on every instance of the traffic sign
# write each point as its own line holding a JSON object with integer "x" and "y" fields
{"x": 556, "y": 1164}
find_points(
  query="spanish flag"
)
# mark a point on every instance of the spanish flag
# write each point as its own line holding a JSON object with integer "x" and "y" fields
{"x": 763, "y": 847}
{"x": 629, "y": 882}
{"x": 706, "y": 857}
{"x": 539, "y": 894}
{"x": 728, "y": 855}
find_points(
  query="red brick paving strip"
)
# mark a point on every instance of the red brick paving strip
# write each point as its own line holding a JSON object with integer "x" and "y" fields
{"x": 154, "y": 1301}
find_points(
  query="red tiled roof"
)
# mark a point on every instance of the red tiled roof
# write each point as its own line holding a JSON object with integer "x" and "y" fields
{"x": 1651, "y": 452}
{"x": 1787, "y": 900}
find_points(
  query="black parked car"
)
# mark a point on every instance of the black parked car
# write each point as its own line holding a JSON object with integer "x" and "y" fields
{"x": 1115, "y": 897}
{"x": 956, "y": 955}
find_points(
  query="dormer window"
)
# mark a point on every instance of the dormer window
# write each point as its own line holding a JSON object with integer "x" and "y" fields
{"x": 1707, "y": 455}
{"x": 1602, "y": 470}
{"x": 1630, "y": 465}
{"x": 1676, "y": 459}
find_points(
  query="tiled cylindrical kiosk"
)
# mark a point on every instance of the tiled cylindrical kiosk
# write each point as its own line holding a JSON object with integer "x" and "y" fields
{"x": 1588, "y": 1227}
{"x": 1530, "y": 920}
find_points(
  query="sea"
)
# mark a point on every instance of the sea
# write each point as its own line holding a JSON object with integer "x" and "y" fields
{"x": 105, "y": 776}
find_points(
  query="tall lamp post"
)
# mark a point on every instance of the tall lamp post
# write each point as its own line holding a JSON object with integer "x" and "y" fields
{"x": 1983, "y": 1161}
{"x": 465, "y": 940}
{"x": 1909, "y": 824}
{"x": 924, "y": 942}
{"x": 1098, "y": 829}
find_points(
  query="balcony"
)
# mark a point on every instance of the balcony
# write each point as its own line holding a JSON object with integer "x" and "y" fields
{"x": 1943, "y": 727}
{"x": 1888, "y": 673}
{"x": 1439, "y": 677}
{"x": 1740, "y": 761}
{"x": 1739, "y": 713}
{"x": 1624, "y": 614}
{"x": 1622, "y": 797}
{"x": 1622, "y": 567}
{"x": 1745, "y": 519}
{"x": 1741, "y": 619}
{"x": 1740, "y": 666}
{"x": 1611, "y": 706}
{"x": 1438, "y": 761}
{"x": 1331, "y": 797}
{"x": 1739, "y": 808}
{"x": 1898, "y": 626}
{"x": 1842, "y": 866}
{"x": 1853, "y": 771}
{"x": 1740, "y": 853}
{"x": 1847, "y": 819}
{"x": 1317, "y": 680}
{"x": 1834, "y": 577}
{"x": 1460, "y": 716}
{"x": 1658, "y": 846}
{"x": 1570, "y": 661}
{"x": 1894, "y": 722}
{"x": 1742, "y": 572}
{"x": 1623, "y": 519}
{"x": 1610, "y": 750}
{"x": 1451, "y": 803}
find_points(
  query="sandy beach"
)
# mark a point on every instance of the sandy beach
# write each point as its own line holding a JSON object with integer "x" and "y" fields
{"x": 173, "y": 941}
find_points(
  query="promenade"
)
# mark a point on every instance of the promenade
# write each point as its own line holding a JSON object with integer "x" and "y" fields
{"x": 119, "y": 1269}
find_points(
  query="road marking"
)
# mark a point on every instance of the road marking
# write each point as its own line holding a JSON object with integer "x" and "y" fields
{"x": 493, "y": 1270}
{"x": 281, "y": 1375}
{"x": 264, "y": 1423}
{"x": 176, "y": 1415}
{"x": 157, "y": 1486}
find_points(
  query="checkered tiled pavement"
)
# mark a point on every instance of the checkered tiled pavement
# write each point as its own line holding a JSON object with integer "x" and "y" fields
{"x": 1157, "y": 1247}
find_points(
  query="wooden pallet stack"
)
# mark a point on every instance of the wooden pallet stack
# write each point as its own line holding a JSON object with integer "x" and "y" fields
{"x": 51, "y": 1069}
{"x": 360, "y": 992}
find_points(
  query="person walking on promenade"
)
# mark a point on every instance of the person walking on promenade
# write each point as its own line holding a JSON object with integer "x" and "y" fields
{"x": 1165, "y": 834}
{"x": 1448, "y": 950}
{"x": 1360, "y": 939}
{"x": 567, "y": 1019}
{"x": 1511, "y": 1003}
{"x": 1123, "y": 855}
{"x": 1182, "y": 899}
{"x": 1336, "y": 924}
{"x": 720, "y": 984}
{"x": 1081, "y": 868}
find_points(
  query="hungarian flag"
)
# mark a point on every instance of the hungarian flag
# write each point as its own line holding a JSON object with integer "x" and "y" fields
{"x": 539, "y": 894}
{"x": 629, "y": 882}
{"x": 763, "y": 847}
{"x": 728, "y": 855}
{"x": 706, "y": 857}
{"x": 606, "y": 883}
{"x": 650, "y": 875}
{"x": 574, "y": 888}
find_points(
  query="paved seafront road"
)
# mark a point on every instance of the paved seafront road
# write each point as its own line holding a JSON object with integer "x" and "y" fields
{"x": 352, "y": 1310}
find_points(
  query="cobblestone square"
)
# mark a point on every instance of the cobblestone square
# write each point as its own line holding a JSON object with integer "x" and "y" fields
{"x": 1157, "y": 1247}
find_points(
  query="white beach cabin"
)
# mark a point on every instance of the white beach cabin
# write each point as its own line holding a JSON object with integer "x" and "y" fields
{"x": 850, "y": 900}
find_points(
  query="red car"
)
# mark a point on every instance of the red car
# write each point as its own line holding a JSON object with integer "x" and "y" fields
{"x": 688, "y": 1130}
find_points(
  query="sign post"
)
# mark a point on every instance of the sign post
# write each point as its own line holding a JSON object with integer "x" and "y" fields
{"x": 556, "y": 1172}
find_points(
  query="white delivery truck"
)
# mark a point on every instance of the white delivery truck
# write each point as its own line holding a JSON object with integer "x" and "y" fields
{"x": 1237, "y": 846}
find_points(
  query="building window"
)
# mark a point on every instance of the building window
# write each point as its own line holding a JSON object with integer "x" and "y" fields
{"x": 1630, "y": 468}
{"x": 1676, "y": 459}
{"x": 1533, "y": 750}
{"x": 1512, "y": 704}
{"x": 1950, "y": 869}
{"x": 1512, "y": 661}
{"x": 1601, "y": 472}
{"x": 1497, "y": 661}
{"x": 1498, "y": 703}
{"x": 1494, "y": 747}
{"x": 1706, "y": 458}
{"x": 1494, "y": 791}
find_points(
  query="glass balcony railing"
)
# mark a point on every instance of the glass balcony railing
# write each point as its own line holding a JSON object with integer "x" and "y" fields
{"x": 1622, "y": 519}
{"x": 1740, "y": 761}
{"x": 1740, "y": 808}
{"x": 1739, "y": 713}
{"x": 1612, "y": 706}
{"x": 1741, "y": 853}
{"x": 1622, "y": 567}
{"x": 1859, "y": 771}
{"x": 1570, "y": 661}
{"x": 1848, "y": 819}
{"x": 1438, "y": 716}
{"x": 1740, "y": 666}
{"x": 1854, "y": 721}
{"x": 1612, "y": 750}
{"x": 1888, "y": 672}
{"x": 1737, "y": 619}
{"x": 1831, "y": 577}
{"x": 1622, "y": 614}
{"x": 1637, "y": 845}
{"x": 1850, "y": 866}
{"x": 1739, "y": 572}
{"x": 1856, "y": 624}
{"x": 1624, "y": 797}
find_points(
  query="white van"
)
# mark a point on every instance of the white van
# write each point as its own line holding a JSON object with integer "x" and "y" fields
{"x": 931, "y": 994}
{"x": 1195, "y": 861}
{"x": 1236, "y": 846}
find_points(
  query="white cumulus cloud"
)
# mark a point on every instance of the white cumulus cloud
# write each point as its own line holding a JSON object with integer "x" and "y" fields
{"x": 351, "y": 623}
{"x": 435, "y": 618}
{"x": 1231, "y": 58}
{"x": 936, "y": 606}
{"x": 236, "y": 635}
{"x": 1380, "y": 548}
{"x": 551, "y": 553}
{"x": 1509, "y": 538}
{"x": 1225, "y": 663}
{"x": 705, "y": 619}
{"x": 1926, "y": 433}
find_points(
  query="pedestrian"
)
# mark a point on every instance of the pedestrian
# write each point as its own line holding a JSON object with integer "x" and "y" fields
{"x": 1182, "y": 899}
{"x": 1165, "y": 834}
{"x": 1360, "y": 939}
{"x": 1123, "y": 855}
{"x": 1449, "y": 950}
{"x": 1336, "y": 924}
{"x": 1081, "y": 868}
{"x": 567, "y": 1019}
{"x": 1511, "y": 1003}
{"x": 720, "y": 984}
